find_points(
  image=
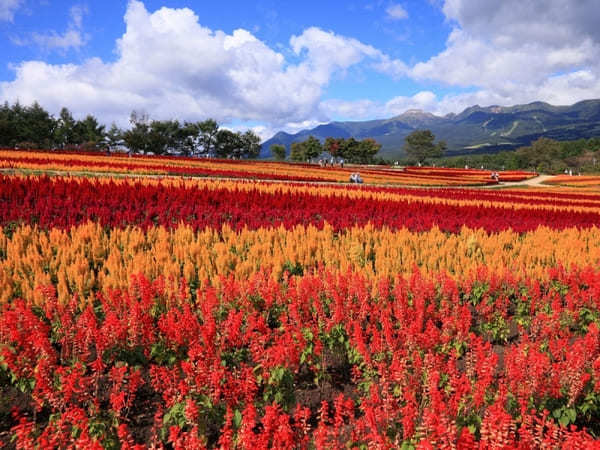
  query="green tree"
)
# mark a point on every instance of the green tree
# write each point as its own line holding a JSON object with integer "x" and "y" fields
{"x": 89, "y": 132}
{"x": 189, "y": 135}
{"x": 207, "y": 137}
{"x": 250, "y": 145}
{"x": 540, "y": 154}
{"x": 137, "y": 138}
{"x": 164, "y": 136}
{"x": 8, "y": 136}
{"x": 228, "y": 143}
{"x": 237, "y": 145}
{"x": 64, "y": 133}
{"x": 420, "y": 145}
{"x": 312, "y": 147}
{"x": 36, "y": 126}
{"x": 278, "y": 151}
{"x": 366, "y": 151}
{"x": 298, "y": 151}
{"x": 114, "y": 136}
{"x": 349, "y": 149}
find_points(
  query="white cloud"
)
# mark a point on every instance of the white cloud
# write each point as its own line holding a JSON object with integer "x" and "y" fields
{"x": 351, "y": 109}
{"x": 169, "y": 65}
{"x": 74, "y": 36}
{"x": 509, "y": 23}
{"x": 396, "y": 12}
{"x": 53, "y": 40}
{"x": 392, "y": 67}
{"x": 504, "y": 53}
{"x": 517, "y": 52}
{"x": 327, "y": 52}
{"x": 8, "y": 8}
{"x": 425, "y": 100}
{"x": 77, "y": 13}
{"x": 367, "y": 109}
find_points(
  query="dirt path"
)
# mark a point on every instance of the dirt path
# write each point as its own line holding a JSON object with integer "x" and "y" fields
{"x": 531, "y": 182}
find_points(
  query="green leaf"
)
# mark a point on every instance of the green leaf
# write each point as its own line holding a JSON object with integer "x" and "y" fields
{"x": 237, "y": 418}
{"x": 571, "y": 414}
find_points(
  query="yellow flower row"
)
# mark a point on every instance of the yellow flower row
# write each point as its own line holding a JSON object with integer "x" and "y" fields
{"x": 89, "y": 258}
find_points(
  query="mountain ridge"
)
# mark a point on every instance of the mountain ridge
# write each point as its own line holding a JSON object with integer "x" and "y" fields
{"x": 476, "y": 129}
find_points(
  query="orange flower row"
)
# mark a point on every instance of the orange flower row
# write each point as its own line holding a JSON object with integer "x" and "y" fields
{"x": 91, "y": 258}
{"x": 575, "y": 181}
{"x": 152, "y": 165}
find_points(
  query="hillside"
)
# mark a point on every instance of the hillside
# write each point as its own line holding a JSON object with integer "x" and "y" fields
{"x": 475, "y": 130}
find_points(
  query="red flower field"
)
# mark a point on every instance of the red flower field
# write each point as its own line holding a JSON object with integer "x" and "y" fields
{"x": 171, "y": 313}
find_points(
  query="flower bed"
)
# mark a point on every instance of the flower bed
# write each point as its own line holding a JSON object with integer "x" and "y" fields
{"x": 575, "y": 181}
{"x": 143, "y": 313}
{"x": 265, "y": 170}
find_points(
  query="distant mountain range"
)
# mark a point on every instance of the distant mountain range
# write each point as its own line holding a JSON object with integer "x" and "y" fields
{"x": 475, "y": 130}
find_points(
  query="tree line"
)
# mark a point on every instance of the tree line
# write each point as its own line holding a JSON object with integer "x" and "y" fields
{"x": 543, "y": 156}
{"x": 350, "y": 150}
{"x": 34, "y": 127}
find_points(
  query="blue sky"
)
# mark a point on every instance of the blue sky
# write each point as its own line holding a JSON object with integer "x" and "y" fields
{"x": 274, "y": 65}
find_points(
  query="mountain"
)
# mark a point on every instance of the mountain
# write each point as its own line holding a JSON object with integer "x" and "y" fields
{"x": 475, "y": 130}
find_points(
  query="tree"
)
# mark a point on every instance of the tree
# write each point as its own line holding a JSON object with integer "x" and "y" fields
{"x": 366, "y": 151}
{"x": 164, "y": 136}
{"x": 227, "y": 143}
{"x": 208, "y": 131}
{"x": 348, "y": 149}
{"x": 420, "y": 145}
{"x": 333, "y": 146}
{"x": 114, "y": 136}
{"x": 278, "y": 151}
{"x": 189, "y": 135}
{"x": 89, "y": 131}
{"x": 312, "y": 147}
{"x": 540, "y": 154}
{"x": 36, "y": 126}
{"x": 64, "y": 133}
{"x": 250, "y": 145}
{"x": 237, "y": 145}
{"x": 8, "y": 135}
{"x": 441, "y": 148}
{"x": 297, "y": 151}
{"x": 137, "y": 138}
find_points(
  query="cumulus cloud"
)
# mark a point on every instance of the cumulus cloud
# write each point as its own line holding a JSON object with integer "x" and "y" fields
{"x": 367, "y": 109}
{"x": 396, "y": 12}
{"x": 516, "y": 52}
{"x": 503, "y": 53}
{"x": 53, "y": 40}
{"x": 327, "y": 52}
{"x": 8, "y": 8}
{"x": 73, "y": 38}
{"x": 169, "y": 65}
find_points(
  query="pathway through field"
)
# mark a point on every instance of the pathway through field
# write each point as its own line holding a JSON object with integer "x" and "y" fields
{"x": 533, "y": 182}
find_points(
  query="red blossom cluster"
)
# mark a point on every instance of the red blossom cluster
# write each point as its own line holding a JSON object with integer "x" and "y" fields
{"x": 121, "y": 165}
{"x": 323, "y": 360}
{"x": 64, "y": 202}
